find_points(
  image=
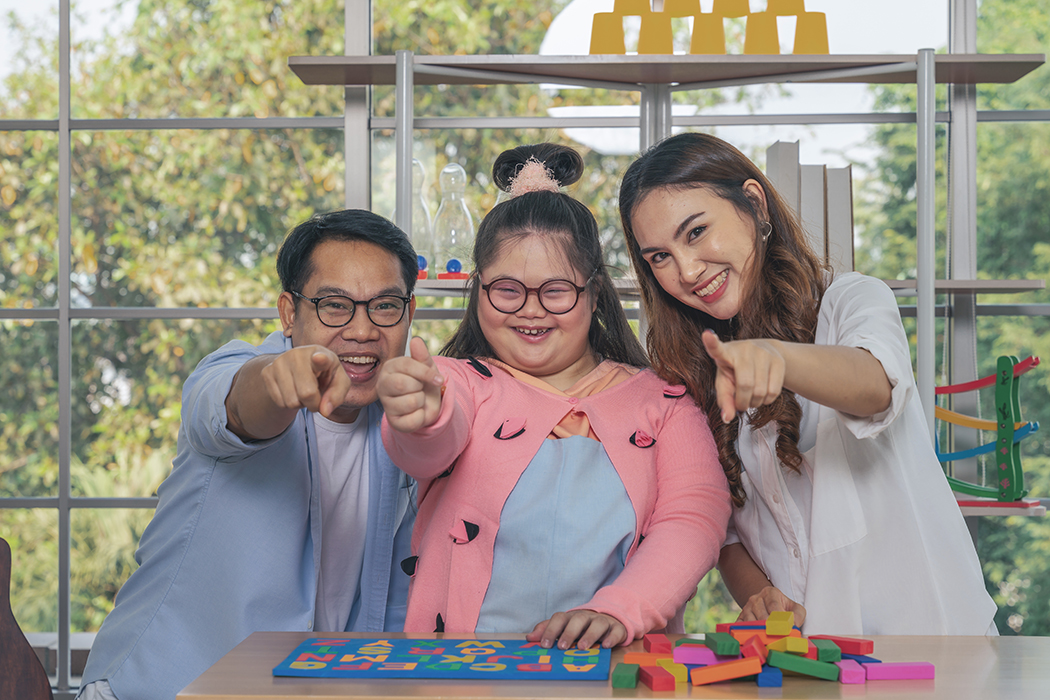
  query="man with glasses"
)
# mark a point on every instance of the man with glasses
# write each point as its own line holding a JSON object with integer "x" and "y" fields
{"x": 282, "y": 510}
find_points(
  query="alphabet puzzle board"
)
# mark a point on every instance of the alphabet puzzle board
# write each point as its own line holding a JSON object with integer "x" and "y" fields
{"x": 486, "y": 659}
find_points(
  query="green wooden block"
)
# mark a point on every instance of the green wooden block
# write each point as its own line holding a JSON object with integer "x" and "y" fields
{"x": 625, "y": 675}
{"x": 722, "y": 644}
{"x": 800, "y": 664}
{"x": 688, "y": 640}
{"x": 827, "y": 650}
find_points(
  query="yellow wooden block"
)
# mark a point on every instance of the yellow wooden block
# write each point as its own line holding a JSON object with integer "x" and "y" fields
{"x": 793, "y": 645}
{"x": 811, "y": 33}
{"x": 779, "y": 623}
{"x": 607, "y": 34}
{"x": 679, "y": 671}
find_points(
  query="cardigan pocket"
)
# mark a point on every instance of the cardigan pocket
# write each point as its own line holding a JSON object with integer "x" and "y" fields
{"x": 472, "y": 538}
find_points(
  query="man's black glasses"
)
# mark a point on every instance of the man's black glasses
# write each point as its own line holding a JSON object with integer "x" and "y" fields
{"x": 336, "y": 311}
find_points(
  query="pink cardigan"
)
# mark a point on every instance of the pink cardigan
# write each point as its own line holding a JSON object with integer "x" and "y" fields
{"x": 490, "y": 428}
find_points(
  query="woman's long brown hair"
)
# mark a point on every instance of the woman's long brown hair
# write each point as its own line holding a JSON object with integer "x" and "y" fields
{"x": 781, "y": 302}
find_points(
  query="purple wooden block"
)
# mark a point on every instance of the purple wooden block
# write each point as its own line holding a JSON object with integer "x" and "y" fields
{"x": 850, "y": 671}
{"x": 898, "y": 671}
{"x": 694, "y": 654}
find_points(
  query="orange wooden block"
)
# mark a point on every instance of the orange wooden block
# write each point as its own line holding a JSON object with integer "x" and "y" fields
{"x": 645, "y": 658}
{"x": 702, "y": 675}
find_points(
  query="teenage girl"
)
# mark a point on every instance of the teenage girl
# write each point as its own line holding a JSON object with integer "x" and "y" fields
{"x": 842, "y": 512}
{"x": 545, "y": 450}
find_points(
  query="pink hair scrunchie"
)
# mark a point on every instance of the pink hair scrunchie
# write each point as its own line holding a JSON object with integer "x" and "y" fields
{"x": 534, "y": 176}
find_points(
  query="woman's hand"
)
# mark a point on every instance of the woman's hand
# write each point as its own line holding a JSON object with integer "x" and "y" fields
{"x": 750, "y": 373}
{"x": 768, "y": 600}
{"x": 584, "y": 627}
{"x": 410, "y": 389}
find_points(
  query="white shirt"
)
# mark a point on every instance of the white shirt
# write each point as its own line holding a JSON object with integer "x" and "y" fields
{"x": 342, "y": 449}
{"x": 869, "y": 537}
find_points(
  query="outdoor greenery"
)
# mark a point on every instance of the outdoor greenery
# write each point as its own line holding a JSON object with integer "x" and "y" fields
{"x": 193, "y": 218}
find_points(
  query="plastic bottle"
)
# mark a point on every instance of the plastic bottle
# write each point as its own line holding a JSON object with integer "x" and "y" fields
{"x": 453, "y": 226}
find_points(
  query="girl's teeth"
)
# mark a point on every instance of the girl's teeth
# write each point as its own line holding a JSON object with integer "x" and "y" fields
{"x": 715, "y": 284}
{"x": 532, "y": 331}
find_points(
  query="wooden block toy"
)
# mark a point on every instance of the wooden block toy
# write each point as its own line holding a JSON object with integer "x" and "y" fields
{"x": 689, "y": 640}
{"x": 779, "y": 623}
{"x": 656, "y": 678}
{"x": 849, "y": 645}
{"x": 812, "y": 653}
{"x": 657, "y": 643}
{"x": 754, "y": 625}
{"x": 807, "y": 667}
{"x": 861, "y": 658}
{"x": 626, "y": 675}
{"x": 725, "y": 671}
{"x": 910, "y": 670}
{"x": 827, "y": 650}
{"x": 851, "y": 672}
{"x": 724, "y": 627}
{"x": 722, "y": 644}
{"x": 643, "y": 658}
{"x": 694, "y": 655}
{"x": 771, "y": 677}
{"x": 753, "y": 647}
{"x": 679, "y": 671}
{"x": 793, "y": 645}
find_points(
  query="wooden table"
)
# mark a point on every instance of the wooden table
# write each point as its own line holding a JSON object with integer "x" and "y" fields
{"x": 985, "y": 668}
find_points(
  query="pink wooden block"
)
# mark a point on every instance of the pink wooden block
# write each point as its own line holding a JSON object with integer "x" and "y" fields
{"x": 909, "y": 670}
{"x": 694, "y": 655}
{"x": 850, "y": 671}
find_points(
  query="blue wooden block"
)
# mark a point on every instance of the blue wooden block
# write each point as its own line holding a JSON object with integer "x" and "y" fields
{"x": 861, "y": 659}
{"x": 771, "y": 677}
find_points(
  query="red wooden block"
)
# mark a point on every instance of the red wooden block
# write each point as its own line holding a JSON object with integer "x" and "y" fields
{"x": 656, "y": 678}
{"x": 753, "y": 648}
{"x": 849, "y": 645}
{"x": 723, "y": 627}
{"x": 701, "y": 675}
{"x": 812, "y": 652}
{"x": 657, "y": 644}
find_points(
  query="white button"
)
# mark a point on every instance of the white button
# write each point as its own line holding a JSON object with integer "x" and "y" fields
{"x": 776, "y": 498}
{"x": 310, "y": 625}
{"x": 795, "y": 552}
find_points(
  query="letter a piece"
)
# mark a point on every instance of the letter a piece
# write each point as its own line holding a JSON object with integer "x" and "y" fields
{"x": 779, "y": 623}
{"x": 898, "y": 671}
{"x": 656, "y": 678}
{"x": 657, "y": 643}
{"x": 728, "y": 670}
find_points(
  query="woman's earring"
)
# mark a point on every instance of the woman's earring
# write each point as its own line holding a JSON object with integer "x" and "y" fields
{"x": 769, "y": 230}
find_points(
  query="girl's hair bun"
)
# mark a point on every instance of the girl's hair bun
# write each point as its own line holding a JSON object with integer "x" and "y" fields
{"x": 564, "y": 163}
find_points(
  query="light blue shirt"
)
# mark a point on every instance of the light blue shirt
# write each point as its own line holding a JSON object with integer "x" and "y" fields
{"x": 234, "y": 546}
{"x": 564, "y": 532}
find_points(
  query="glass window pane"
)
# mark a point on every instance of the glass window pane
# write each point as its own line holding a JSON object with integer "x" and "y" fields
{"x": 127, "y": 393}
{"x": 28, "y": 409}
{"x": 1014, "y": 26}
{"x": 32, "y": 534}
{"x": 213, "y": 59}
{"x": 194, "y": 218}
{"x": 102, "y": 557}
{"x": 28, "y": 218}
{"x": 28, "y": 59}
{"x": 1013, "y": 204}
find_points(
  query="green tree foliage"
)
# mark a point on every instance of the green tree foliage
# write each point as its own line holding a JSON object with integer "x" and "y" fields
{"x": 1013, "y": 222}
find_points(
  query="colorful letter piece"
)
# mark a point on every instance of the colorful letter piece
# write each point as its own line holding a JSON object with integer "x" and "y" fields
{"x": 679, "y": 671}
{"x": 794, "y": 645}
{"x": 753, "y": 647}
{"x": 722, "y": 644}
{"x": 656, "y": 678}
{"x": 702, "y": 675}
{"x": 808, "y": 667}
{"x": 779, "y": 623}
{"x": 657, "y": 643}
{"x": 827, "y": 650}
{"x": 899, "y": 671}
{"x": 694, "y": 655}
{"x": 626, "y": 675}
{"x": 644, "y": 658}
{"x": 850, "y": 672}
{"x": 771, "y": 677}
{"x": 849, "y": 645}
